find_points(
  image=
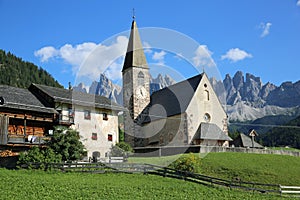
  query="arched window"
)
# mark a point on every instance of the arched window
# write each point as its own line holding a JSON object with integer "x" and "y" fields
{"x": 206, "y": 95}
{"x": 141, "y": 78}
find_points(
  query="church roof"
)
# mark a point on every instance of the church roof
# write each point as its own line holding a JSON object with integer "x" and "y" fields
{"x": 74, "y": 97}
{"x": 246, "y": 141}
{"x": 210, "y": 131}
{"x": 135, "y": 56}
{"x": 172, "y": 100}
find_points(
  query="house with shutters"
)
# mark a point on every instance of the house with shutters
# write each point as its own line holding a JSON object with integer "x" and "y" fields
{"x": 28, "y": 117}
{"x": 94, "y": 117}
{"x": 184, "y": 114}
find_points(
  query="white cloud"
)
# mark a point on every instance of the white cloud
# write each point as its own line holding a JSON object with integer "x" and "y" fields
{"x": 202, "y": 57}
{"x": 265, "y": 29}
{"x": 75, "y": 55}
{"x": 89, "y": 59}
{"x": 147, "y": 47}
{"x": 46, "y": 53}
{"x": 159, "y": 56}
{"x": 298, "y": 3}
{"x": 236, "y": 55}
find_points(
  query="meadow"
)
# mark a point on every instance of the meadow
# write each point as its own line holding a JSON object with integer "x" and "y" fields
{"x": 263, "y": 168}
{"x": 36, "y": 184}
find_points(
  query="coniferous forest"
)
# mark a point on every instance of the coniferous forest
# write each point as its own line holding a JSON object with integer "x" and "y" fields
{"x": 18, "y": 73}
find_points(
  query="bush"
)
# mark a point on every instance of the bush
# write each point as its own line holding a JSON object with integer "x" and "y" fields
{"x": 38, "y": 155}
{"x": 189, "y": 163}
{"x": 120, "y": 149}
{"x": 66, "y": 143}
{"x": 125, "y": 146}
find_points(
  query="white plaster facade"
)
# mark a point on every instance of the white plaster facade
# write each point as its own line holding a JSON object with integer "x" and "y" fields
{"x": 98, "y": 128}
{"x": 205, "y": 107}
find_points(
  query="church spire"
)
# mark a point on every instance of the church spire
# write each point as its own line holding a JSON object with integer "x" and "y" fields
{"x": 135, "y": 56}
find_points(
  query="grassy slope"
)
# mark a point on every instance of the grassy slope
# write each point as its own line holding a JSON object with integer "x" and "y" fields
{"x": 41, "y": 185}
{"x": 277, "y": 169}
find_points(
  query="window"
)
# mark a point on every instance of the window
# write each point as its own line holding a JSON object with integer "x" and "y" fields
{"x": 105, "y": 117}
{"x": 94, "y": 136}
{"x": 141, "y": 78}
{"x": 206, "y": 117}
{"x": 110, "y": 137}
{"x": 87, "y": 114}
{"x": 206, "y": 95}
{"x": 71, "y": 112}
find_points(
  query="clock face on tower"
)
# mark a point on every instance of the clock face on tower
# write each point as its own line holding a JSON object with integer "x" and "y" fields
{"x": 141, "y": 92}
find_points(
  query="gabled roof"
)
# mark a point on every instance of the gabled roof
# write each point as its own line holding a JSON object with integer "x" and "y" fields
{"x": 210, "y": 131}
{"x": 21, "y": 99}
{"x": 135, "y": 56}
{"x": 246, "y": 141}
{"x": 78, "y": 98}
{"x": 172, "y": 100}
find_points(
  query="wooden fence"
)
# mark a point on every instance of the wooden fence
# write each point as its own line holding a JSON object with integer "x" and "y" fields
{"x": 290, "y": 190}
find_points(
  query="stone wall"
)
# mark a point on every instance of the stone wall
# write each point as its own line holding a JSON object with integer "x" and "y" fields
{"x": 173, "y": 150}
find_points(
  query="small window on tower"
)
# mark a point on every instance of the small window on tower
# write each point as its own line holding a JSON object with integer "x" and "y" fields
{"x": 141, "y": 78}
{"x": 110, "y": 137}
{"x": 105, "y": 117}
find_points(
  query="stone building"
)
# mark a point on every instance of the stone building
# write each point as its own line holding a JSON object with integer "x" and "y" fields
{"x": 186, "y": 113}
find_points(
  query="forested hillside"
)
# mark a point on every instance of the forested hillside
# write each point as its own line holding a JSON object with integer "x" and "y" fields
{"x": 287, "y": 135}
{"x": 16, "y": 72}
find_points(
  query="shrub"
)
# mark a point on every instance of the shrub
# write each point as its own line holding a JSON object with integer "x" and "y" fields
{"x": 121, "y": 149}
{"x": 38, "y": 155}
{"x": 189, "y": 162}
{"x": 125, "y": 146}
{"x": 66, "y": 143}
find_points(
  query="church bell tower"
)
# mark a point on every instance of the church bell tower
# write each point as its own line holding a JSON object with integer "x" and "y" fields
{"x": 136, "y": 80}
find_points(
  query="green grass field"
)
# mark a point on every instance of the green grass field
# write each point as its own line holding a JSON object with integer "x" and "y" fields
{"x": 276, "y": 169}
{"x": 33, "y": 185}
{"x": 264, "y": 168}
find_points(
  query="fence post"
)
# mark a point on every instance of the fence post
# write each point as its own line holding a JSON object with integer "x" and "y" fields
{"x": 280, "y": 190}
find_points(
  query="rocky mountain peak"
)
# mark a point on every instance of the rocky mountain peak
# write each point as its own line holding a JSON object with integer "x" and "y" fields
{"x": 238, "y": 80}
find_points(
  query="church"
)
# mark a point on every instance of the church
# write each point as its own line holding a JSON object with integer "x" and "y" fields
{"x": 187, "y": 113}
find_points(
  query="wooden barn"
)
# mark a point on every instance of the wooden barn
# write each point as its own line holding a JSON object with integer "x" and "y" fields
{"x": 24, "y": 120}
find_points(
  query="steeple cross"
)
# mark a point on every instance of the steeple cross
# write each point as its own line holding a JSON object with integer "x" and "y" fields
{"x": 133, "y": 14}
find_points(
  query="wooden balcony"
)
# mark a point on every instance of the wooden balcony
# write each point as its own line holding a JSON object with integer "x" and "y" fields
{"x": 66, "y": 120}
{"x": 27, "y": 139}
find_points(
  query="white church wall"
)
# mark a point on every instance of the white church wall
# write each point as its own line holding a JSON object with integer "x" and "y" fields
{"x": 204, "y": 107}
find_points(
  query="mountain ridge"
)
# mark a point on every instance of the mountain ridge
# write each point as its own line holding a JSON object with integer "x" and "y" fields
{"x": 247, "y": 98}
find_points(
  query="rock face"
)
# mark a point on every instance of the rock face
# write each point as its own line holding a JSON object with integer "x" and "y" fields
{"x": 160, "y": 82}
{"x": 107, "y": 88}
{"x": 256, "y": 94}
{"x": 248, "y": 99}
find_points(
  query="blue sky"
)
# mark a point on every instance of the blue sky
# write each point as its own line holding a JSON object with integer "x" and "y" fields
{"x": 261, "y": 37}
